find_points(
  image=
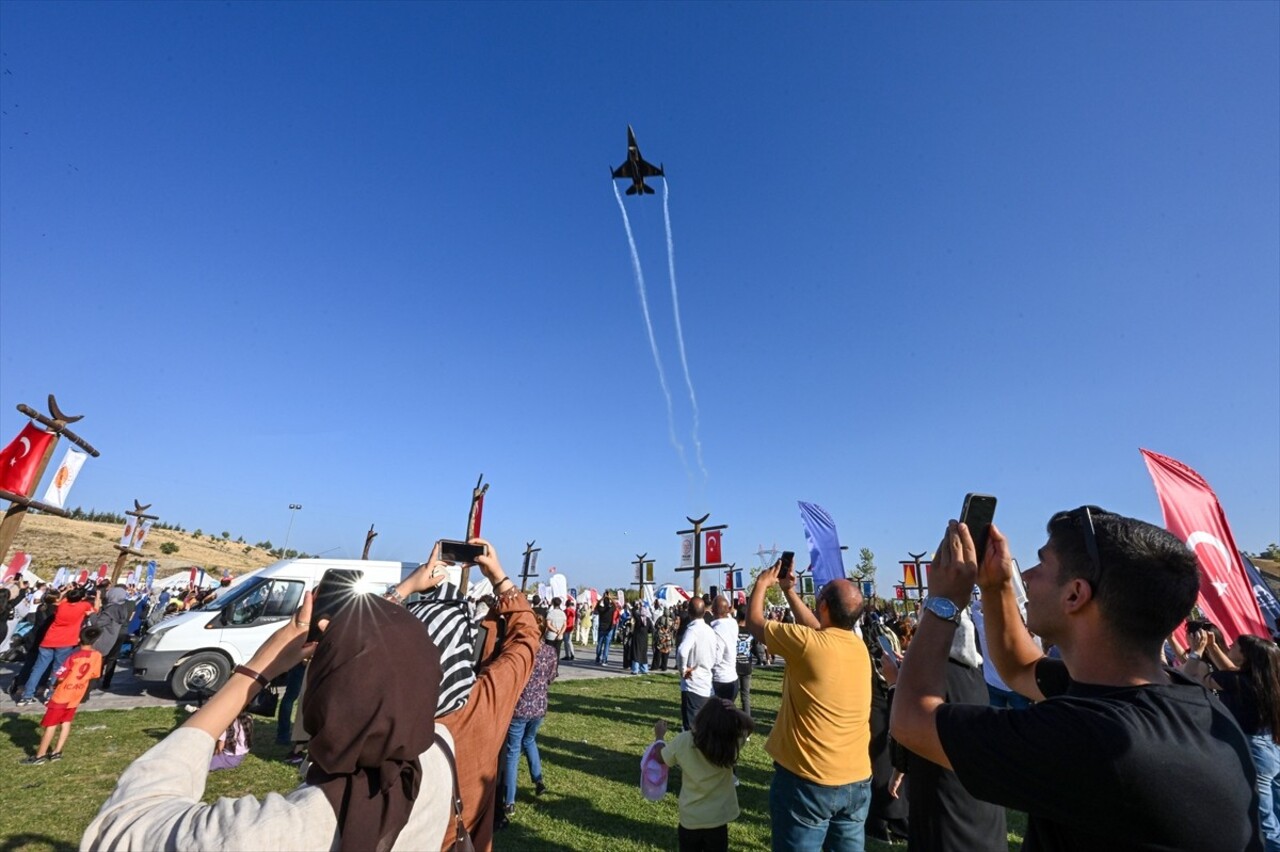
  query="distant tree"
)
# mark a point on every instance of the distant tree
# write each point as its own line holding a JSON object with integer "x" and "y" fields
{"x": 225, "y": 535}
{"x": 266, "y": 545}
{"x": 866, "y": 567}
{"x": 774, "y": 596}
{"x": 199, "y": 532}
{"x": 1272, "y": 552}
{"x": 168, "y": 548}
{"x": 240, "y": 540}
{"x": 248, "y": 549}
{"x": 97, "y": 534}
{"x": 291, "y": 554}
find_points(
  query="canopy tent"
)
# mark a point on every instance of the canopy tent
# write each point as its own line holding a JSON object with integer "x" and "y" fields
{"x": 182, "y": 580}
{"x": 669, "y": 594}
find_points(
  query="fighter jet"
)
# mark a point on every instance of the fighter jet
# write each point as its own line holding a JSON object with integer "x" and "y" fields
{"x": 636, "y": 168}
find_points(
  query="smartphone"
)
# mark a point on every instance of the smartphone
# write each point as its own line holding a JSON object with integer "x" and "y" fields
{"x": 887, "y": 646}
{"x": 337, "y": 588}
{"x": 459, "y": 552}
{"x": 978, "y": 512}
{"x": 788, "y": 557}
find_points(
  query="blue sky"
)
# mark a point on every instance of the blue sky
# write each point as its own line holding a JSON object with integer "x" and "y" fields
{"x": 353, "y": 255}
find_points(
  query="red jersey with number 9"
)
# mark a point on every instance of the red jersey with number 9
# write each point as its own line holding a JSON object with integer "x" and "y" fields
{"x": 74, "y": 677}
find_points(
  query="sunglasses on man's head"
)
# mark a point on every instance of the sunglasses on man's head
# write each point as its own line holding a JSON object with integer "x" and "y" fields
{"x": 1085, "y": 515}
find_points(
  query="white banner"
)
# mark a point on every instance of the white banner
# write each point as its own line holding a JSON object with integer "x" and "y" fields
{"x": 60, "y": 486}
{"x": 686, "y": 550}
{"x": 126, "y": 537}
{"x": 143, "y": 529}
{"x": 559, "y": 586}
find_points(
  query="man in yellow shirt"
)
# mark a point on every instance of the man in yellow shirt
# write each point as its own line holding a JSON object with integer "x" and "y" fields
{"x": 821, "y": 741}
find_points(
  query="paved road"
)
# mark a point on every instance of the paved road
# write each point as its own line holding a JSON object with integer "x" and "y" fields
{"x": 127, "y": 692}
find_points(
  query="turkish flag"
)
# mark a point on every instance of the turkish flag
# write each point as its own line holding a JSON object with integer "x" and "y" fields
{"x": 83, "y": 577}
{"x": 17, "y": 565}
{"x": 102, "y": 571}
{"x": 713, "y": 547}
{"x": 19, "y": 460}
{"x": 1193, "y": 514}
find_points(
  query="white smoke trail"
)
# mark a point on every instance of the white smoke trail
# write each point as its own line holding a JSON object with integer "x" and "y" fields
{"x": 675, "y": 307}
{"x": 653, "y": 343}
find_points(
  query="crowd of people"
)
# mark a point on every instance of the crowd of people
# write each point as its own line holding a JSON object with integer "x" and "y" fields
{"x": 1076, "y": 704}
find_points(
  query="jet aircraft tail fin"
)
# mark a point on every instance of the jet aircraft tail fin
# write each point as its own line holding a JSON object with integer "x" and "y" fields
{"x": 631, "y": 190}
{"x": 648, "y": 190}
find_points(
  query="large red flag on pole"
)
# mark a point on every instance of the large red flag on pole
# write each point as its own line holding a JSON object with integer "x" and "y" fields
{"x": 1193, "y": 514}
{"x": 19, "y": 460}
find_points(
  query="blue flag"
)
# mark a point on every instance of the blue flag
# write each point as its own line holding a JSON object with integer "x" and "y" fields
{"x": 151, "y": 574}
{"x": 1266, "y": 600}
{"x": 824, "y": 545}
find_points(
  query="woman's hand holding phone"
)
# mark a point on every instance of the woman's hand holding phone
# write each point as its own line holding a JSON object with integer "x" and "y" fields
{"x": 488, "y": 562}
{"x": 430, "y": 574}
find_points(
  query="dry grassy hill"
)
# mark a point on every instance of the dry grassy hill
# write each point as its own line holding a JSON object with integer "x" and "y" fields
{"x": 54, "y": 542}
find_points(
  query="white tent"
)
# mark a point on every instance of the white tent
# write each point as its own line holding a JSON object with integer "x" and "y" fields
{"x": 670, "y": 594}
{"x": 182, "y": 579}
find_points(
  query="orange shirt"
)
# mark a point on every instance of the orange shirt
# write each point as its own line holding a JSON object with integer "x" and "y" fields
{"x": 74, "y": 676}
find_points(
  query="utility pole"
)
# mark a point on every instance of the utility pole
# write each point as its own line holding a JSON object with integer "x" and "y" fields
{"x": 133, "y": 537}
{"x": 530, "y": 566}
{"x": 293, "y": 510}
{"x": 56, "y": 423}
{"x": 368, "y": 541}
{"x": 697, "y": 566}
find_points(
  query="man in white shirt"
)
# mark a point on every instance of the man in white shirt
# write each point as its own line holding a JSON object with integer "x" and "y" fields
{"x": 557, "y": 622}
{"x": 724, "y": 674}
{"x": 696, "y": 656}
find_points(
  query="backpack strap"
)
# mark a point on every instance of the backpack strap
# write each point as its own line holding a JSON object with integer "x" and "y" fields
{"x": 461, "y": 839}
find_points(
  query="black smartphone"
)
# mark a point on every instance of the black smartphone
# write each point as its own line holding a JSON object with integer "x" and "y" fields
{"x": 978, "y": 512}
{"x": 459, "y": 552}
{"x": 788, "y": 557}
{"x": 336, "y": 589}
{"x": 887, "y": 646}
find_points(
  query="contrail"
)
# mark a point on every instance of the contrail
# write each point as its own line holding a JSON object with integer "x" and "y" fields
{"x": 653, "y": 344}
{"x": 675, "y": 307}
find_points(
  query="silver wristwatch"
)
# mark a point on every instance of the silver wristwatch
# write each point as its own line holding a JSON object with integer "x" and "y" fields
{"x": 944, "y": 608}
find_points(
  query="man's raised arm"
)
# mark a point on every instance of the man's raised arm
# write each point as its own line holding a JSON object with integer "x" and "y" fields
{"x": 1006, "y": 640}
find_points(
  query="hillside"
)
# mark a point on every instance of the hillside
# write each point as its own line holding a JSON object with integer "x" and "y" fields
{"x": 54, "y": 542}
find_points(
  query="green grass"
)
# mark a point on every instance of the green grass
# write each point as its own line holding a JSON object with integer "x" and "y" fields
{"x": 590, "y": 743}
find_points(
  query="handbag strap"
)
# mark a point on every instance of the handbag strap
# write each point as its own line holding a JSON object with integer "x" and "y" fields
{"x": 462, "y": 840}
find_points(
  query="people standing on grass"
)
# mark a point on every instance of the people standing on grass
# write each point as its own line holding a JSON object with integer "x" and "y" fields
{"x": 664, "y": 634}
{"x": 522, "y": 734}
{"x": 1119, "y": 752}
{"x": 72, "y": 684}
{"x": 724, "y": 674}
{"x": 641, "y": 627}
{"x": 556, "y": 625}
{"x": 820, "y": 744}
{"x": 706, "y": 756}
{"x": 695, "y": 658}
{"x": 571, "y": 624}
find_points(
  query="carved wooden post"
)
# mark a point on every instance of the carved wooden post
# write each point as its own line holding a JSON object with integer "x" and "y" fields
{"x": 473, "y": 523}
{"x": 128, "y": 550}
{"x": 368, "y": 540}
{"x": 56, "y": 423}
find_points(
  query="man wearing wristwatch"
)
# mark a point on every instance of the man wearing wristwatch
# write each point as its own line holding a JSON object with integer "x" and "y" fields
{"x": 1096, "y": 762}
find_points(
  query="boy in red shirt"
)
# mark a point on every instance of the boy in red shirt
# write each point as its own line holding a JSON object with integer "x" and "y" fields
{"x": 73, "y": 679}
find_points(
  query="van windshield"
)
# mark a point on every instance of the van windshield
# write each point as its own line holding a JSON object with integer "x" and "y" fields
{"x": 227, "y": 596}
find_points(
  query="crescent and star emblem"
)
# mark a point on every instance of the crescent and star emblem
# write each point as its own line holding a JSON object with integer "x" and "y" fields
{"x": 26, "y": 448}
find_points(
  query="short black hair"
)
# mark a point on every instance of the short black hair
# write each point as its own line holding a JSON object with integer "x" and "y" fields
{"x": 555, "y": 602}
{"x": 838, "y": 611}
{"x": 89, "y": 635}
{"x": 1148, "y": 579}
{"x": 75, "y": 593}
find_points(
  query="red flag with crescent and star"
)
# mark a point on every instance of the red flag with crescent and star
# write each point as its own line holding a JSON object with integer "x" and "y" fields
{"x": 1192, "y": 513}
{"x": 713, "y": 547}
{"x": 19, "y": 460}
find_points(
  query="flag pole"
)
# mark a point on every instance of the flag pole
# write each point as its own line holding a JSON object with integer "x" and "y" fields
{"x": 697, "y": 531}
{"x": 368, "y": 540}
{"x": 473, "y": 524}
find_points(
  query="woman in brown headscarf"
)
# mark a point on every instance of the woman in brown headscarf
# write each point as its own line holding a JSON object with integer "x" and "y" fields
{"x": 371, "y": 696}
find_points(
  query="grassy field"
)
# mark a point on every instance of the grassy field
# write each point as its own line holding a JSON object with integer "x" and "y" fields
{"x": 590, "y": 743}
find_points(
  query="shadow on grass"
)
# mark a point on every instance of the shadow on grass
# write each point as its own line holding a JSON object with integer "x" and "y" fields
{"x": 22, "y": 731}
{"x": 593, "y": 828}
{"x": 24, "y": 841}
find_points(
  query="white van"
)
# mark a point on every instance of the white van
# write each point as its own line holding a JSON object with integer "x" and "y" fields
{"x": 194, "y": 652}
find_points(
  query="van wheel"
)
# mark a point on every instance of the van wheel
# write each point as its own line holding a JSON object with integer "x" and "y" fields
{"x": 199, "y": 675}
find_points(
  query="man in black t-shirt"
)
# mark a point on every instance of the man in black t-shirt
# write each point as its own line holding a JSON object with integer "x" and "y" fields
{"x": 1119, "y": 753}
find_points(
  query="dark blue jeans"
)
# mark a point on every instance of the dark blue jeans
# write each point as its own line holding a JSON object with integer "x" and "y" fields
{"x": 284, "y": 718}
{"x": 602, "y": 646}
{"x": 808, "y": 817}
{"x": 45, "y": 656}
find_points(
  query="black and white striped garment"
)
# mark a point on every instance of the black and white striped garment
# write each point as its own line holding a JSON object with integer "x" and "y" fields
{"x": 447, "y": 616}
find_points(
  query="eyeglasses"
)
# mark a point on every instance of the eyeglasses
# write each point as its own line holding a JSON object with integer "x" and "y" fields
{"x": 1090, "y": 541}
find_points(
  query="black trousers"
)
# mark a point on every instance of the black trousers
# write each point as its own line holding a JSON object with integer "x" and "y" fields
{"x": 660, "y": 660}
{"x": 690, "y": 704}
{"x": 704, "y": 839}
{"x": 744, "y": 690}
